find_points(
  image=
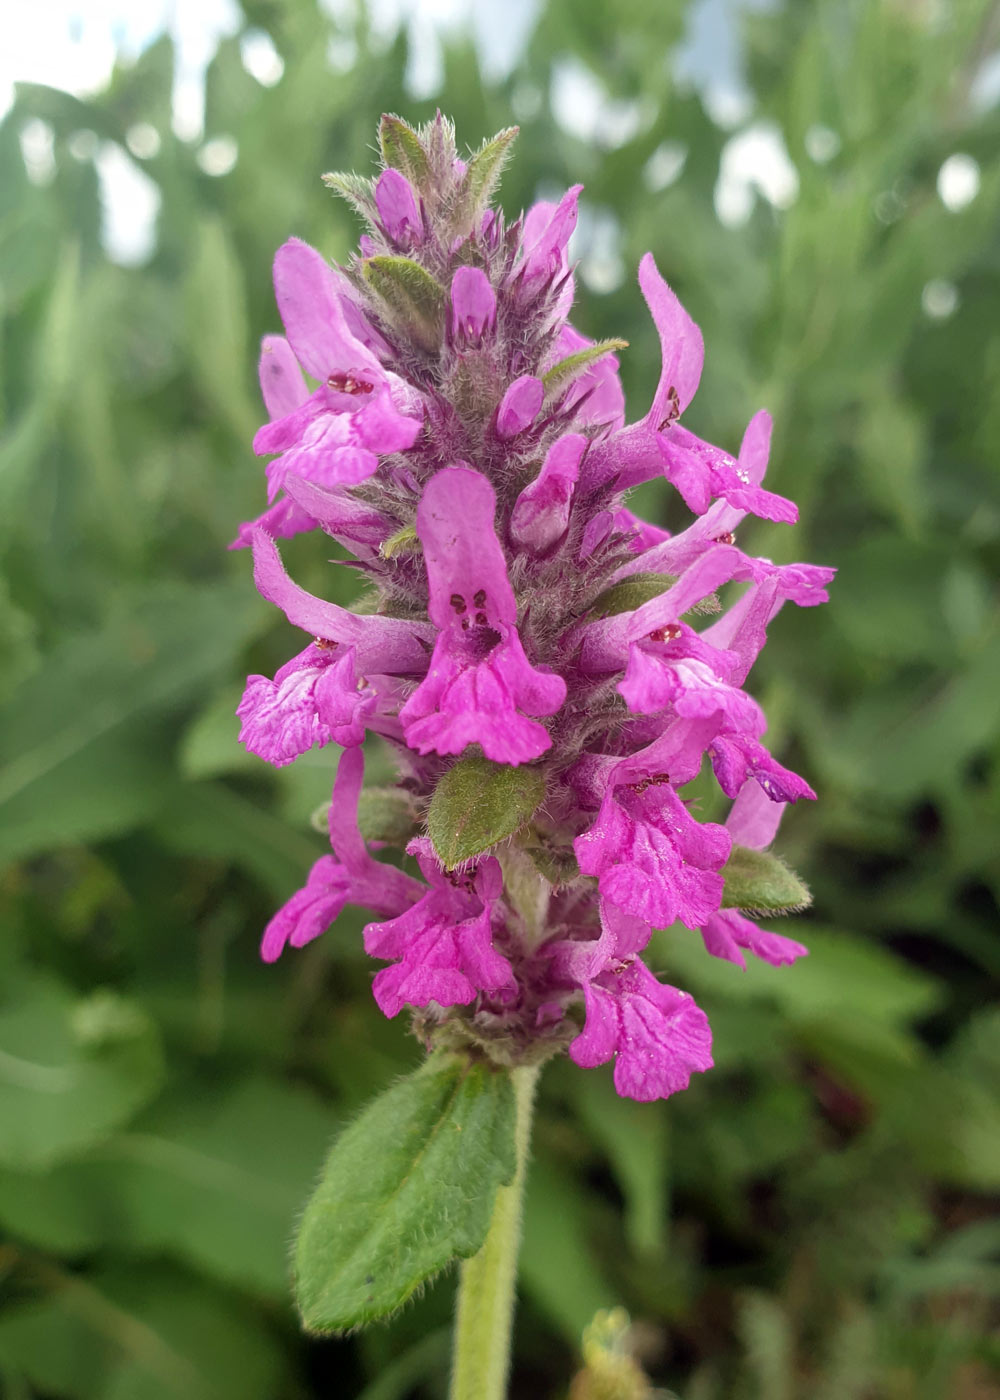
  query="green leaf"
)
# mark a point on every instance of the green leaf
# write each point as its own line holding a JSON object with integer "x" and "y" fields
{"x": 212, "y": 1178}
{"x": 412, "y": 298}
{"x": 478, "y": 803}
{"x": 762, "y": 883}
{"x": 404, "y": 541}
{"x": 77, "y": 756}
{"x": 483, "y": 174}
{"x": 407, "y": 1189}
{"x": 218, "y": 335}
{"x": 637, "y": 1147}
{"x": 211, "y": 820}
{"x": 402, "y": 149}
{"x": 210, "y": 745}
{"x": 560, "y": 1267}
{"x": 565, "y": 371}
{"x": 386, "y": 814}
{"x": 630, "y": 593}
{"x": 70, "y": 1070}
{"x": 140, "y": 1332}
{"x": 357, "y": 191}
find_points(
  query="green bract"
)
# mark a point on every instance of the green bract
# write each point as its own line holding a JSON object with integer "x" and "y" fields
{"x": 478, "y": 803}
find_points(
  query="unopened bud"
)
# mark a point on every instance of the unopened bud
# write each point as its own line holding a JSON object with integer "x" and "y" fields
{"x": 473, "y": 305}
{"x": 398, "y": 208}
{"x": 519, "y": 406}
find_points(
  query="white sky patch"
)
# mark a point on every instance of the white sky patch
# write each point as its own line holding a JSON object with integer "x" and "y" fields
{"x": 665, "y": 165}
{"x": 939, "y": 299}
{"x": 501, "y": 34}
{"x": 130, "y": 203}
{"x": 755, "y": 161}
{"x": 143, "y": 141}
{"x": 582, "y": 107}
{"x": 82, "y": 144}
{"x": 958, "y": 181}
{"x": 218, "y": 156}
{"x": 37, "y": 151}
{"x": 710, "y": 59}
{"x": 260, "y": 58}
{"x": 822, "y": 144}
{"x": 984, "y": 93}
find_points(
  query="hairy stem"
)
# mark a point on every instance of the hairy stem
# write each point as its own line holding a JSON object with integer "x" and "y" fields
{"x": 485, "y": 1307}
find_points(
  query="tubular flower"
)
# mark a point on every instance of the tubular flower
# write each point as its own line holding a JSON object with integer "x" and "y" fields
{"x": 549, "y": 671}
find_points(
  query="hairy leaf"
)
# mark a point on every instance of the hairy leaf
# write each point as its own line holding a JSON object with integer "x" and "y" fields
{"x": 478, "y": 803}
{"x": 408, "y": 1188}
{"x": 413, "y": 300}
{"x": 402, "y": 149}
{"x": 762, "y": 883}
{"x": 565, "y": 371}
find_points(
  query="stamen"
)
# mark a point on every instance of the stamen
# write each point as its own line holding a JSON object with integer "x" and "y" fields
{"x": 345, "y": 382}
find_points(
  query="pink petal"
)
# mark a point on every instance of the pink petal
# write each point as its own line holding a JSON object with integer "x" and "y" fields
{"x": 541, "y": 511}
{"x": 397, "y": 207}
{"x": 461, "y": 550}
{"x": 681, "y": 345}
{"x": 281, "y": 381}
{"x": 473, "y": 305}
{"x": 519, "y": 406}
{"x": 305, "y": 288}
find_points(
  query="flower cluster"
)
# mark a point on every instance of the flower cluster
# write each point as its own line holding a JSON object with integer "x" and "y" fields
{"x": 434, "y": 411}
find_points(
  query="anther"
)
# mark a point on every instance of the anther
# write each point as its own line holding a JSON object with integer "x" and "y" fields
{"x": 345, "y": 383}
{"x": 668, "y": 633}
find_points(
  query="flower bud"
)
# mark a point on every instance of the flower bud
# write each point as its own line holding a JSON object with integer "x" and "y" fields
{"x": 473, "y": 305}
{"x": 519, "y": 406}
{"x": 397, "y": 208}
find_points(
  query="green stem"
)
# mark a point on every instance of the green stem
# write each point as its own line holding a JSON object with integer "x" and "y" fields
{"x": 485, "y": 1309}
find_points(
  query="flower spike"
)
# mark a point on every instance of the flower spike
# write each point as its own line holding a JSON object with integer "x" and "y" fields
{"x": 547, "y": 671}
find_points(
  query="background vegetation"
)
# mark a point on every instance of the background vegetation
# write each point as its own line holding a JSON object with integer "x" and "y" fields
{"x": 816, "y": 1217}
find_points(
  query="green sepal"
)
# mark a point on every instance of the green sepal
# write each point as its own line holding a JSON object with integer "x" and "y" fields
{"x": 404, "y": 541}
{"x": 414, "y": 301}
{"x": 559, "y": 868}
{"x": 357, "y": 191}
{"x": 630, "y": 593}
{"x": 478, "y": 803}
{"x": 402, "y": 149}
{"x": 408, "y": 1188}
{"x": 565, "y": 371}
{"x": 483, "y": 175}
{"x": 386, "y": 814}
{"x": 761, "y": 883}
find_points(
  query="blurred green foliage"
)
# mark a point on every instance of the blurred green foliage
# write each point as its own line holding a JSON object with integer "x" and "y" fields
{"x": 816, "y": 1218}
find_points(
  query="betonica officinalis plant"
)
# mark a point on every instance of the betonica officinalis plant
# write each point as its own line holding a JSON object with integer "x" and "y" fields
{"x": 549, "y": 672}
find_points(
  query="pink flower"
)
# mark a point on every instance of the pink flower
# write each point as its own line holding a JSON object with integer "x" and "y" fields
{"x": 653, "y": 860}
{"x": 442, "y": 945}
{"x": 349, "y": 875}
{"x": 336, "y": 434}
{"x": 479, "y": 686}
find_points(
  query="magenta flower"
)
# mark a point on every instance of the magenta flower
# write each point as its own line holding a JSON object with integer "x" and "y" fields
{"x": 479, "y": 686}
{"x": 548, "y": 671}
{"x": 350, "y": 875}
{"x": 443, "y": 944}
{"x": 651, "y": 858}
{"x": 335, "y": 434}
